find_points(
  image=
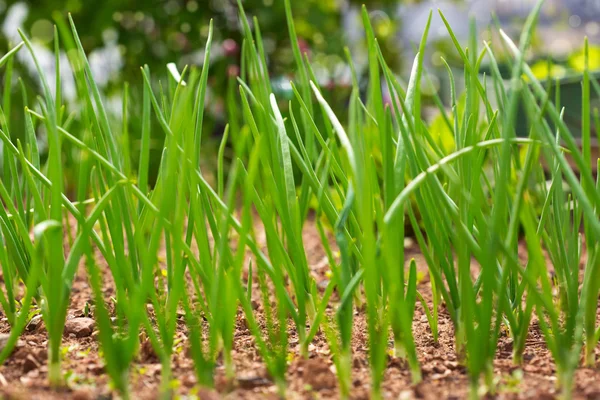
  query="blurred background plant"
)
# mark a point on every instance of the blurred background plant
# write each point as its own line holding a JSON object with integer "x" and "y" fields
{"x": 121, "y": 35}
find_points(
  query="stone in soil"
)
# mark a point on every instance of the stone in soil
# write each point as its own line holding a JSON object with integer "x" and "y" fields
{"x": 80, "y": 327}
{"x": 251, "y": 382}
{"x": 30, "y": 363}
{"x": 317, "y": 374}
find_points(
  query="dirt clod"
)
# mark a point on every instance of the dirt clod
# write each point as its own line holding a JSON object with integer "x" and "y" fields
{"x": 95, "y": 369}
{"x": 206, "y": 394}
{"x": 251, "y": 382}
{"x": 81, "y": 395}
{"x": 80, "y": 327}
{"x": 147, "y": 353}
{"x": 30, "y": 363}
{"x": 35, "y": 323}
{"x": 317, "y": 374}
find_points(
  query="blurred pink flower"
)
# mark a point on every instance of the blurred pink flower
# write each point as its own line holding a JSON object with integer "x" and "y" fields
{"x": 230, "y": 47}
{"x": 233, "y": 71}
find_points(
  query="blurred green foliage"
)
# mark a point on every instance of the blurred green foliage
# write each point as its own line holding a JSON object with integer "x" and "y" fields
{"x": 120, "y": 36}
{"x": 156, "y": 32}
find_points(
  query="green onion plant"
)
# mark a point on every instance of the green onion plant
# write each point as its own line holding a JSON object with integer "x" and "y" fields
{"x": 506, "y": 217}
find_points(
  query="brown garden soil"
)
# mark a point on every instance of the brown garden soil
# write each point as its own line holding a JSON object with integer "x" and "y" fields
{"x": 24, "y": 374}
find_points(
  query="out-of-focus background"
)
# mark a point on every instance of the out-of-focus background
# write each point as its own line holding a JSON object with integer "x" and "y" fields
{"x": 121, "y": 35}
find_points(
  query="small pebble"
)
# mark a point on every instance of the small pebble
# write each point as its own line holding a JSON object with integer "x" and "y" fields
{"x": 80, "y": 327}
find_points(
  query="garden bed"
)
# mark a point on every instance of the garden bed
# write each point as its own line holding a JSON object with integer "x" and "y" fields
{"x": 24, "y": 375}
{"x": 290, "y": 255}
